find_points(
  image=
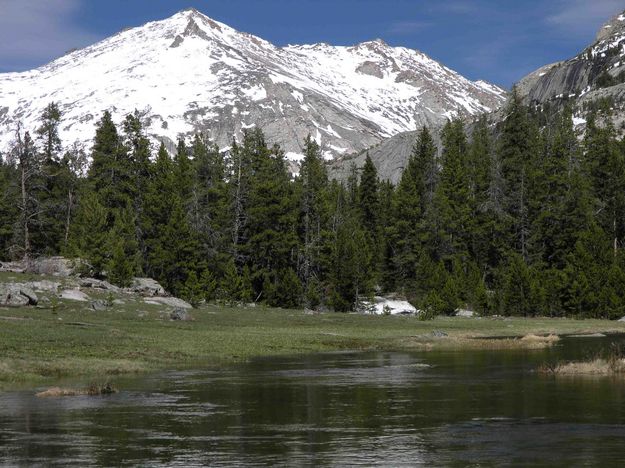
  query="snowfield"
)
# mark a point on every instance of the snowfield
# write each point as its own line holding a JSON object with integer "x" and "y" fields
{"x": 189, "y": 73}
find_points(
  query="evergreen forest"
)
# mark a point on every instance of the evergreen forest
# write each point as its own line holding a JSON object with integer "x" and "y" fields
{"x": 523, "y": 218}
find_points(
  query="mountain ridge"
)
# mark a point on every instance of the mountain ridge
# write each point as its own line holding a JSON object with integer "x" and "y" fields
{"x": 190, "y": 73}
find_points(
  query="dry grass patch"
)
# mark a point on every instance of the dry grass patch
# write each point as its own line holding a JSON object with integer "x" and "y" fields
{"x": 464, "y": 341}
{"x": 611, "y": 362}
{"x": 594, "y": 367}
{"x": 94, "y": 389}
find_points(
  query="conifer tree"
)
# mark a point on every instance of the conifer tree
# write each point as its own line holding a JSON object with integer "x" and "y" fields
{"x": 111, "y": 173}
{"x": 124, "y": 261}
{"x": 453, "y": 195}
{"x": 312, "y": 217}
{"x": 8, "y": 207}
{"x": 208, "y": 210}
{"x": 88, "y": 238}
{"x": 48, "y": 132}
{"x": 28, "y": 163}
{"x": 607, "y": 169}
{"x": 516, "y": 154}
{"x": 271, "y": 232}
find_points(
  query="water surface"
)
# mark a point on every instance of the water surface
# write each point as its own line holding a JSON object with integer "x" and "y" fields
{"x": 480, "y": 408}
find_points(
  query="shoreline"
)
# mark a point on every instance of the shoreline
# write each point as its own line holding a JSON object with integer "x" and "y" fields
{"x": 39, "y": 347}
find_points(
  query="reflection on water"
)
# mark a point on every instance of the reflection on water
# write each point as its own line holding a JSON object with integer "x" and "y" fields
{"x": 452, "y": 408}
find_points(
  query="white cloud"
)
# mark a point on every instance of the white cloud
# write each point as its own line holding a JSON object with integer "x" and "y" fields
{"x": 33, "y": 32}
{"x": 584, "y": 17}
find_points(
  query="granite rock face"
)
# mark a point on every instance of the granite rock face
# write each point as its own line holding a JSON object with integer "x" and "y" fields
{"x": 596, "y": 73}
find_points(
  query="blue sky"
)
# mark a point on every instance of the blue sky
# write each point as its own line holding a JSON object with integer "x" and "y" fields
{"x": 496, "y": 40}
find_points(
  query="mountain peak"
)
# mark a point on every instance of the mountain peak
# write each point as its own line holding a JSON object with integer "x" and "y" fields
{"x": 190, "y": 74}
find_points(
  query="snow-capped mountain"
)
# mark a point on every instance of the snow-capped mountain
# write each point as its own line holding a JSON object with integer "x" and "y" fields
{"x": 189, "y": 73}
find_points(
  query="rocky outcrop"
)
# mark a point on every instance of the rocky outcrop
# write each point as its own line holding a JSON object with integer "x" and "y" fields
{"x": 50, "y": 266}
{"x": 169, "y": 301}
{"x": 146, "y": 287}
{"x": 597, "y": 72}
{"x": 74, "y": 295}
{"x": 15, "y": 295}
{"x": 93, "y": 283}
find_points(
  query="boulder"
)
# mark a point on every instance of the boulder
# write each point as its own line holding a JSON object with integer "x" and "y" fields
{"x": 169, "y": 301}
{"x": 12, "y": 267}
{"x": 99, "y": 305}
{"x": 30, "y": 294}
{"x": 439, "y": 334}
{"x": 146, "y": 287}
{"x": 74, "y": 295}
{"x": 622, "y": 319}
{"x": 55, "y": 266}
{"x": 93, "y": 283}
{"x": 16, "y": 296}
{"x": 44, "y": 286}
{"x": 465, "y": 313}
{"x": 181, "y": 315}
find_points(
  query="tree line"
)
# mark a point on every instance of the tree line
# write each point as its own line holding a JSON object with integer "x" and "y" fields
{"x": 519, "y": 218}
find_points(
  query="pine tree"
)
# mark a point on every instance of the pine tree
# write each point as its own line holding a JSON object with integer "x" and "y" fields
{"x": 8, "y": 207}
{"x": 350, "y": 275}
{"x": 208, "y": 210}
{"x": 123, "y": 250}
{"x": 48, "y": 132}
{"x": 607, "y": 169}
{"x": 480, "y": 165}
{"x": 89, "y": 233}
{"x": 516, "y": 153}
{"x": 111, "y": 173}
{"x": 453, "y": 196}
{"x": 56, "y": 180}
{"x": 563, "y": 205}
{"x": 313, "y": 216}
{"x": 28, "y": 163}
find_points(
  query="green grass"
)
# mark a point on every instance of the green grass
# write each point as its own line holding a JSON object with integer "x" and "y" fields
{"x": 40, "y": 345}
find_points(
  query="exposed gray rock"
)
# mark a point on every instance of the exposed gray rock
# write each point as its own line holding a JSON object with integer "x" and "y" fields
{"x": 439, "y": 334}
{"x": 44, "y": 286}
{"x": 146, "y": 287}
{"x": 12, "y": 267}
{"x": 55, "y": 266}
{"x": 370, "y": 68}
{"x": 582, "y": 79}
{"x": 465, "y": 313}
{"x": 180, "y": 314}
{"x": 169, "y": 301}
{"x": 99, "y": 305}
{"x": 51, "y": 266}
{"x": 16, "y": 296}
{"x": 30, "y": 294}
{"x": 98, "y": 284}
{"x": 74, "y": 295}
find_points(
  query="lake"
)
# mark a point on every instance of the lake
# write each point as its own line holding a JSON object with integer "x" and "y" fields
{"x": 480, "y": 408}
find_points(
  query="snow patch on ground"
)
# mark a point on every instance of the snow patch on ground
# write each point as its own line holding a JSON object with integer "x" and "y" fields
{"x": 386, "y": 306}
{"x": 256, "y": 93}
{"x": 295, "y": 157}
